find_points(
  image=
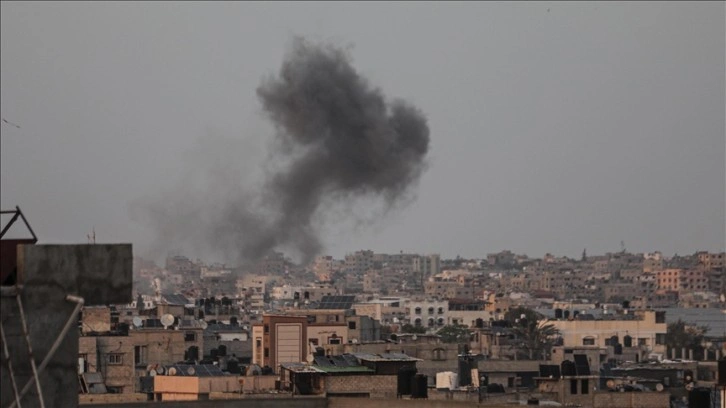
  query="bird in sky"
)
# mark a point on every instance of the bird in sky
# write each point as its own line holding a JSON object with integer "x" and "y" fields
{"x": 11, "y": 123}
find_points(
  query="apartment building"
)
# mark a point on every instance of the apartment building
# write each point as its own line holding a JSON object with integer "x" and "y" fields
{"x": 279, "y": 339}
{"x": 647, "y": 328}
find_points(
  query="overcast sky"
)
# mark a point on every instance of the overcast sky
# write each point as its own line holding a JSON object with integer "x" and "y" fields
{"x": 554, "y": 126}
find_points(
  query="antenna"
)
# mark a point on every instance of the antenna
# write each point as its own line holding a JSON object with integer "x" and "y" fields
{"x": 167, "y": 320}
{"x": 137, "y": 321}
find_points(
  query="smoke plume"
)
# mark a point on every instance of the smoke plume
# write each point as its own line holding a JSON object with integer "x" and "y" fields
{"x": 337, "y": 139}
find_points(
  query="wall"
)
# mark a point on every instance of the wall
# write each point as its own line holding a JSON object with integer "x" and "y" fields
{"x": 101, "y": 274}
{"x": 379, "y": 386}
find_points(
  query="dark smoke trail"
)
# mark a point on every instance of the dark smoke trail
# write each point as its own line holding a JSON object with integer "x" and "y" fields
{"x": 338, "y": 137}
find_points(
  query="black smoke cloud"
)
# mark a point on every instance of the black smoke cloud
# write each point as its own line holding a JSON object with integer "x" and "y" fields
{"x": 337, "y": 139}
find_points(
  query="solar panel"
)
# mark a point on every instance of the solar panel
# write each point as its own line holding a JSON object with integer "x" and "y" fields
{"x": 582, "y": 366}
{"x": 546, "y": 370}
{"x": 322, "y": 361}
{"x": 336, "y": 302}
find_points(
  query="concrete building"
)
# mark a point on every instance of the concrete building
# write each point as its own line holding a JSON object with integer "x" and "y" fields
{"x": 428, "y": 313}
{"x": 448, "y": 290}
{"x": 359, "y": 262}
{"x": 692, "y": 279}
{"x": 279, "y": 339}
{"x": 647, "y": 328}
{"x": 56, "y": 280}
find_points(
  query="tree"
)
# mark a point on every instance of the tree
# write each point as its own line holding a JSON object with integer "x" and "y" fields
{"x": 532, "y": 333}
{"x": 680, "y": 335}
{"x": 454, "y": 334}
{"x": 409, "y": 328}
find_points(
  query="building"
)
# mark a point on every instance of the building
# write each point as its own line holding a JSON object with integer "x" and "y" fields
{"x": 692, "y": 279}
{"x": 646, "y": 328}
{"x": 279, "y": 339}
{"x": 428, "y": 313}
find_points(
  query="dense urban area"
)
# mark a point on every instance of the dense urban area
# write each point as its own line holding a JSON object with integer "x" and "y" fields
{"x": 503, "y": 328}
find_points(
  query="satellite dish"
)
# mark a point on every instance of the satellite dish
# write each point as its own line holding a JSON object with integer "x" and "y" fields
{"x": 137, "y": 321}
{"x": 659, "y": 387}
{"x": 203, "y": 324}
{"x": 172, "y": 371}
{"x": 160, "y": 370}
{"x": 191, "y": 371}
{"x": 152, "y": 373}
{"x": 414, "y": 337}
{"x": 610, "y": 384}
{"x": 167, "y": 320}
{"x": 689, "y": 386}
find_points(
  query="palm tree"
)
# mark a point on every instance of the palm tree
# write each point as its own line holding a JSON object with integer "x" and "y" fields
{"x": 532, "y": 332}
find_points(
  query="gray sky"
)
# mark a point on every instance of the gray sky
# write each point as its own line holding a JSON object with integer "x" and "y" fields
{"x": 554, "y": 126}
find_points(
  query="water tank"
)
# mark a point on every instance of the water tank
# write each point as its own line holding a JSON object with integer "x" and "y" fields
{"x": 405, "y": 377}
{"x": 699, "y": 397}
{"x": 233, "y": 367}
{"x": 420, "y": 386}
{"x": 464, "y": 372}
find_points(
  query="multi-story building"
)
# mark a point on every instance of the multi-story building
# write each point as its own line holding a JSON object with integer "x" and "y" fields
{"x": 122, "y": 357}
{"x": 359, "y": 262}
{"x": 428, "y": 313}
{"x": 303, "y": 293}
{"x": 279, "y": 339}
{"x": 647, "y": 329}
{"x": 448, "y": 290}
{"x": 682, "y": 279}
{"x": 712, "y": 261}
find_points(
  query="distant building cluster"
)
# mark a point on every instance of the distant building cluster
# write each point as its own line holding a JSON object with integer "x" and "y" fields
{"x": 553, "y": 328}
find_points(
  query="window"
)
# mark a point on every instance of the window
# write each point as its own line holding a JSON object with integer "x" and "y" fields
{"x": 351, "y": 325}
{"x": 258, "y": 342}
{"x": 267, "y": 328}
{"x": 140, "y": 355}
{"x": 573, "y": 387}
{"x": 431, "y": 310}
{"x": 417, "y": 310}
{"x": 660, "y": 338}
{"x": 441, "y": 310}
{"x": 585, "y": 387}
{"x": 438, "y": 354}
{"x": 267, "y": 352}
{"x": 334, "y": 340}
{"x": 314, "y": 342}
{"x": 190, "y": 336}
{"x": 115, "y": 359}
{"x": 588, "y": 341}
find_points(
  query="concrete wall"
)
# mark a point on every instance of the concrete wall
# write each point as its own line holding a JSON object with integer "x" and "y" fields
{"x": 379, "y": 386}
{"x": 100, "y": 274}
{"x": 271, "y": 402}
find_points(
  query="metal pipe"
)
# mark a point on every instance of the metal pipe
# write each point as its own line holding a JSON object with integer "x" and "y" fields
{"x": 79, "y": 304}
{"x": 30, "y": 354}
{"x": 6, "y": 354}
